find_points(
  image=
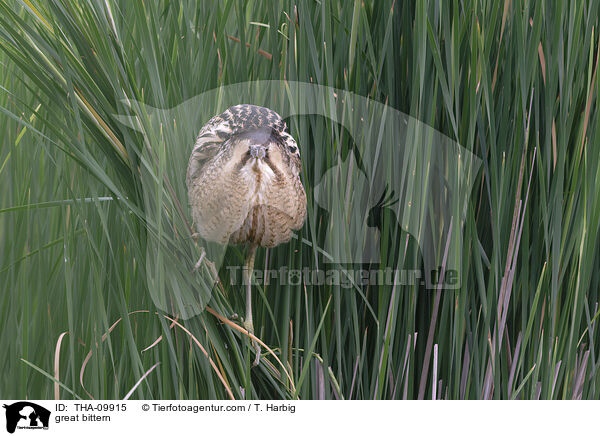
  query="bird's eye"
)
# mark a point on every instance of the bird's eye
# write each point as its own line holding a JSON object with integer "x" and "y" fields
{"x": 292, "y": 148}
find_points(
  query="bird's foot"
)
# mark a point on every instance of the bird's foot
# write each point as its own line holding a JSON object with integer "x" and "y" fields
{"x": 248, "y": 326}
{"x": 233, "y": 317}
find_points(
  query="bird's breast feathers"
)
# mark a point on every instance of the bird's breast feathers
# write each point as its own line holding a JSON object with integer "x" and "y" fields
{"x": 259, "y": 177}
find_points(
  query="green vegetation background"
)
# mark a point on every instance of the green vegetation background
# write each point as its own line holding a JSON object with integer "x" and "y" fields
{"x": 515, "y": 82}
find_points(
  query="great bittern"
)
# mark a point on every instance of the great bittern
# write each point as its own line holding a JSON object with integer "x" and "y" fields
{"x": 244, "y": 187}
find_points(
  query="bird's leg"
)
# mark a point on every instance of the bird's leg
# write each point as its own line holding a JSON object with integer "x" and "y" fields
{"x": 248, "y": 268}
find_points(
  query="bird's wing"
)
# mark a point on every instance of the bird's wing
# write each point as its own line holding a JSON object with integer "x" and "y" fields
{"x": 220, "y": 128}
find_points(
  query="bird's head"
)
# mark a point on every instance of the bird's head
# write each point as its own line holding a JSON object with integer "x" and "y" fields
{"x": 265, "y": 150}
{"x": 255, "y": 144}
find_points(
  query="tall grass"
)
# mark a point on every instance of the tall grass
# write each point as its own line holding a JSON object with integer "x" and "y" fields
{"x": 515, "y": 83}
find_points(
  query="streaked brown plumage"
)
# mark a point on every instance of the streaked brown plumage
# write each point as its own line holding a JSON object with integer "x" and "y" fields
{"x": 244, "y": 186}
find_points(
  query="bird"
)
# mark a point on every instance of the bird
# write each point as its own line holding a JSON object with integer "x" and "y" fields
{"x": 244, "y": 186}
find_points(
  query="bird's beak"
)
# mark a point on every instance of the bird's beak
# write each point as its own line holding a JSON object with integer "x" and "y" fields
{"x": 258, "y": 151}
